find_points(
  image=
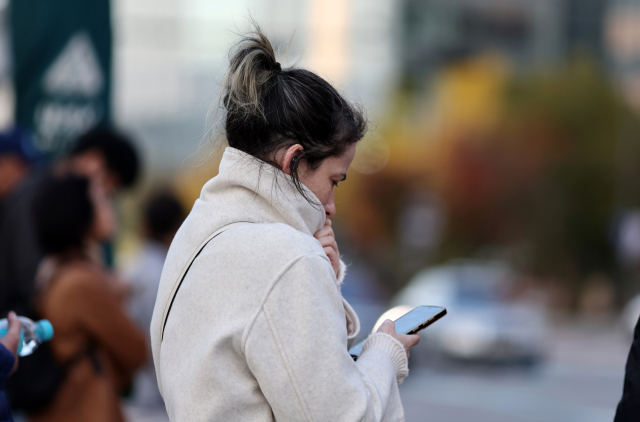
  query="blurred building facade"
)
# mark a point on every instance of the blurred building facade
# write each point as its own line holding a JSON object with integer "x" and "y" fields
{"x": 622, "y": 37}
{"x": 529, "y": 32}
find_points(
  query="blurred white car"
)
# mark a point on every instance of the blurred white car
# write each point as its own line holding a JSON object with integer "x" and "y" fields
{"x": 482, "y": 323}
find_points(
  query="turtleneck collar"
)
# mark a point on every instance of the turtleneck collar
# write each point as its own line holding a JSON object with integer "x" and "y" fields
{"x": 261, "y": 193}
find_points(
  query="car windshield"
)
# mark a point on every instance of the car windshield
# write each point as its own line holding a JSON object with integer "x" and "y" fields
{"x": 477, "y": 285}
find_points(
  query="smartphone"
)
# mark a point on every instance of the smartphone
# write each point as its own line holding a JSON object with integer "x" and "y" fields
{"x": 410, "y": 323}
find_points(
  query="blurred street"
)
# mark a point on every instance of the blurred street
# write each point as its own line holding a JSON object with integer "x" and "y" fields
{"x": 580, "y": 382}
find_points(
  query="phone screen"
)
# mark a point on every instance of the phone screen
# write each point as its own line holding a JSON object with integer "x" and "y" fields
{"x": 416, "y": 317}
{"x": 410, "y": 323}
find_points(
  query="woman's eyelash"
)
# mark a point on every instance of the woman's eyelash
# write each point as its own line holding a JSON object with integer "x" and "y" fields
{"x": 335, "y": 183}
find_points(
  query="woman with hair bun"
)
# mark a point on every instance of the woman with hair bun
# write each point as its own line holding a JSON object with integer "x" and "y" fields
{"x": 249, "y": 322}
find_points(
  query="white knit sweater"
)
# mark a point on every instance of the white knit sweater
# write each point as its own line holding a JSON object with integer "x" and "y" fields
{"x": 258, "y": 330}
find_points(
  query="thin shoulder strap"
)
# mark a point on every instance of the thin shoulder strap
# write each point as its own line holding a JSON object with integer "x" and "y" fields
{"x": 180, "y": 279}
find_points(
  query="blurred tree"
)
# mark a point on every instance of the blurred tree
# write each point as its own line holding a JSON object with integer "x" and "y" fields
{"x": 532, "y": 163}
{"x": 549, "y": 175}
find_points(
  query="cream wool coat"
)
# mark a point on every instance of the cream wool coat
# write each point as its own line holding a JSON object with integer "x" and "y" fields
{"x": 258, "y": 330}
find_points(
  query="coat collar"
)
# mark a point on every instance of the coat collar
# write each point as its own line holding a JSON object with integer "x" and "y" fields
{"x": 252, "y": 182}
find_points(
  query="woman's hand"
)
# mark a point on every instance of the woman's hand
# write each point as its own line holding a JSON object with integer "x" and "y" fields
{"x": 408, "y": 341}
{"x": 11, "y": 339}
{"x": 328, "y": 241}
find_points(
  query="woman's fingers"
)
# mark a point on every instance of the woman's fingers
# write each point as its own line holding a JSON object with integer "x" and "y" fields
{"x": 334, "y": 257}
{"x": 326, "y": 231}
{"x": 331, "y": 249}
{"x": 408, "y": 341}
{"x": 328, "y": 241}
{"x": 331, "y": 253}
{"x": 11, "y": 339}
{"x": 14, "y": 329}
{"x": 412, "y": 340}
{"x": 387, "y": 327}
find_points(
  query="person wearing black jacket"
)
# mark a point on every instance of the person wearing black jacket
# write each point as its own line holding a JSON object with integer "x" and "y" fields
{"x": 629, "y": 406}
{"x": 8, "y": 362}
{"x": 17, "y": 156}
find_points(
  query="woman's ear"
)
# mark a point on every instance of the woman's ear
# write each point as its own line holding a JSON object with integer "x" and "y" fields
{"x": 287, "y": 156}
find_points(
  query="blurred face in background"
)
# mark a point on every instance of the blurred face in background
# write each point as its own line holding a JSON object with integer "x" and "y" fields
{"x": 12, "y": 170}
{"x": 93, "y": 165}
{"x": 104, "y": 222}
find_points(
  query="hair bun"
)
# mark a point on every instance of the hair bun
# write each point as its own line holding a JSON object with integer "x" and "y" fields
{"x": 252, "y": 63}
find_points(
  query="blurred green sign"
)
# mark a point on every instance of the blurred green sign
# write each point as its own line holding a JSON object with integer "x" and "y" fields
{"x": 62, "y": 68}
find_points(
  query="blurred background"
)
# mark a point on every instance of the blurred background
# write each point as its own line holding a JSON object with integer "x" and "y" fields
{"x": 500, "y": 176}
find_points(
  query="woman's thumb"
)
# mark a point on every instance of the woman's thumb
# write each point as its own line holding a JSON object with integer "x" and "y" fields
{"x": 13, "y": 335}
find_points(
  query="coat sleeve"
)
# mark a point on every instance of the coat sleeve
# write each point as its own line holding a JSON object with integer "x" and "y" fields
{"x": 101, "y": 315}
{"x": 296, "y": 348}
{"x": 7, "y": 361}
{"x": 629, "y": 406}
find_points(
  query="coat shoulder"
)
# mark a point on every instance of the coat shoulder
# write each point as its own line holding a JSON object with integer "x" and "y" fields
{"x": 273, "y": 238}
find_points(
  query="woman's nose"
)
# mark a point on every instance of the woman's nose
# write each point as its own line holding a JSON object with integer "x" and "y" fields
{"x": 330, "y": 209}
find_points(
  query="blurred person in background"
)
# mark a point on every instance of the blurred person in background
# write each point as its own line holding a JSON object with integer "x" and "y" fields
{"x": 8, "y": 362}
{"x": 17, "y": 155}
{"x": 102, "y": 154}
{"x": 629, "y": 407}
{"x": 258, "y": 330}
{"x": 109, "y": 159}
{"x": 95, "y": 341}
{"x": 163, "y": 215}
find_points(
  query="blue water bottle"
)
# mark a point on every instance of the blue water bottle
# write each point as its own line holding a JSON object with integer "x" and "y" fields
{"x": 32, "y": 334}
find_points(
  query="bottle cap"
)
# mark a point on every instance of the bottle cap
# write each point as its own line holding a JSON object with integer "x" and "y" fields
{"x": 44, "y": 330}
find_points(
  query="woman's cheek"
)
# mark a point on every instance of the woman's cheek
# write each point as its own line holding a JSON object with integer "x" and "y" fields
{"x": 326, "y": 196}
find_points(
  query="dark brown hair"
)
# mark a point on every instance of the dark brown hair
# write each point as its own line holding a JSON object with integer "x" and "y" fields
{"x": 270, "y": 108}
{"x": 63, "y": 213}
{"x": 163, "y": 215}
{"x": 117, "y": 149}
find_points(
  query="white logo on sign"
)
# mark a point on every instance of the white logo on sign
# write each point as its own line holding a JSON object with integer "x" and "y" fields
{"x": 76, "y": 71}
